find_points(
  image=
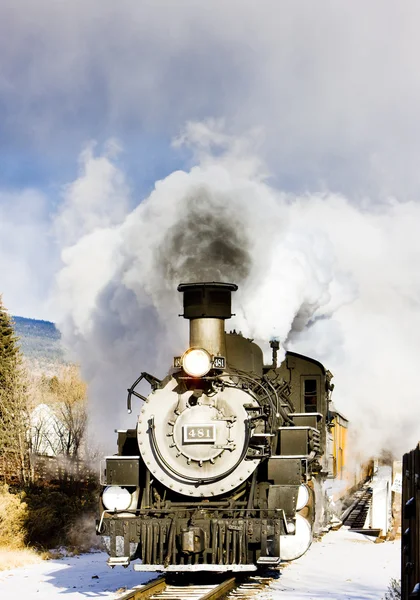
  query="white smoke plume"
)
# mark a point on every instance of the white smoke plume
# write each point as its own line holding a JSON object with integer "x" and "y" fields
{"x": 332, "y": 279}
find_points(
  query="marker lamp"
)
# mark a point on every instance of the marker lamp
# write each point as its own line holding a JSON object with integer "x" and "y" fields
{"x": 196, "y": 362}
{"x": 116, "y": 498}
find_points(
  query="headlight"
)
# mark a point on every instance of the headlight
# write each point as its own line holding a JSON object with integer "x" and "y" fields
{"x": 116, "y": 498}
{"x": 196, "y": 362}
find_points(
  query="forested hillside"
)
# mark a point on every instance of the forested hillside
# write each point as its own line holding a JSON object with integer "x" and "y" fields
{"x": 39, "y": 340}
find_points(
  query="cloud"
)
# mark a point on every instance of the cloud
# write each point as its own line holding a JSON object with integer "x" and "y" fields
{"x": 27, "y": 263}
{"x": 97, "y": 199}
{"x": 336, "y": 94}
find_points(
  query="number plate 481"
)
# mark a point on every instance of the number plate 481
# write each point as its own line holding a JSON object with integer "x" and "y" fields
{"x": 199, "y": 434}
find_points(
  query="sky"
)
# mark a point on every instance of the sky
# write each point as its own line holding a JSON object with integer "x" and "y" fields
{"x": 294, "y": 122}
{"x": 332, "y": 87}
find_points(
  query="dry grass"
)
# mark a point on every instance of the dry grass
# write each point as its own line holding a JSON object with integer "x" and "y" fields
{"x": 43, "y": 518}
{"x": 13, "y": 514}
{"x": 14, "y": 558}
{"x": 394, "y": 590}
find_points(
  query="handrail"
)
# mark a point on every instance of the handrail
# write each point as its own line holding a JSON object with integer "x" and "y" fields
{"x": 154, "y": 384}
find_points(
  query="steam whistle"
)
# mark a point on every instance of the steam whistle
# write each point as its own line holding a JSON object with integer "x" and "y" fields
{"x": 274, "y": 345}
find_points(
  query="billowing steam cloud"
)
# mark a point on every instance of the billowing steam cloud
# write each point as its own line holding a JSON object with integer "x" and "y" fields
{"x": 333, "y": 280}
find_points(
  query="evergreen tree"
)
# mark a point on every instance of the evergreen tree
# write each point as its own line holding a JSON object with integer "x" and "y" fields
{"x": 14, "y": 414}
{"x": 9, "y": 350}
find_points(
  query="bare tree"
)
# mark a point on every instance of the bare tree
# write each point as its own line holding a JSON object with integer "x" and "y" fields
{"x": 69, "y": 406}
{"x": 59, "y": 415}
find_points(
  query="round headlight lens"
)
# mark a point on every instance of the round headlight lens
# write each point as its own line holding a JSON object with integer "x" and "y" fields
{"x": 116, "y": 498}
{"x": 196, "y": 362}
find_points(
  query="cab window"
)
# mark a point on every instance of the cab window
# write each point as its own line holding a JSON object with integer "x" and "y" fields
{"x": 310, "y": 395}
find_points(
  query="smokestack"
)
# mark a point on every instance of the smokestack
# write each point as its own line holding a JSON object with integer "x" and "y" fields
{"x": 207, "y": 305}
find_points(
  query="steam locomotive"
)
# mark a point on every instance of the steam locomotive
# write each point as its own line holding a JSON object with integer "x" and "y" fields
{"x": 224, "y": 469}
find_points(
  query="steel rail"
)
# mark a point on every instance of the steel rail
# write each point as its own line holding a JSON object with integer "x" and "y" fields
{"x": 145, "y": 591}
{"x": 221, "y": 590}
{"x": 159, "y": 589}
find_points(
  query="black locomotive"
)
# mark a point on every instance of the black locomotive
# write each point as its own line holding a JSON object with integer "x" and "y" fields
{"x": 223, "y": 468}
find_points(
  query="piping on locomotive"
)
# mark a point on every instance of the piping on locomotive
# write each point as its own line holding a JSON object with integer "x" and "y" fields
{"x": 222, "y": 470}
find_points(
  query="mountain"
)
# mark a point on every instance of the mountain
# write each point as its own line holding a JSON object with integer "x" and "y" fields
{"x": 40, "y": 341}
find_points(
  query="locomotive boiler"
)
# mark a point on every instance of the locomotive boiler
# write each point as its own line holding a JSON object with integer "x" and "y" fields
{"x": 222, "y": 469}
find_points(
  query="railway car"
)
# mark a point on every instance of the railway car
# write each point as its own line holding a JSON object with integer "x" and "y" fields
{"x": 224, "y": 469}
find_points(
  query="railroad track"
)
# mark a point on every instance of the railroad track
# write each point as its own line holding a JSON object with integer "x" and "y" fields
{"x": 234, "y": 588}
{"x": 356, "y": 517}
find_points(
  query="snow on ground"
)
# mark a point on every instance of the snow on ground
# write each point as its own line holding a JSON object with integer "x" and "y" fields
{"x": 74, "y": 578}
{"x": 341, "y": 566}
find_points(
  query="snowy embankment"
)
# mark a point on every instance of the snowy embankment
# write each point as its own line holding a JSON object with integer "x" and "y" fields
{"x": 343, "y": 565}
